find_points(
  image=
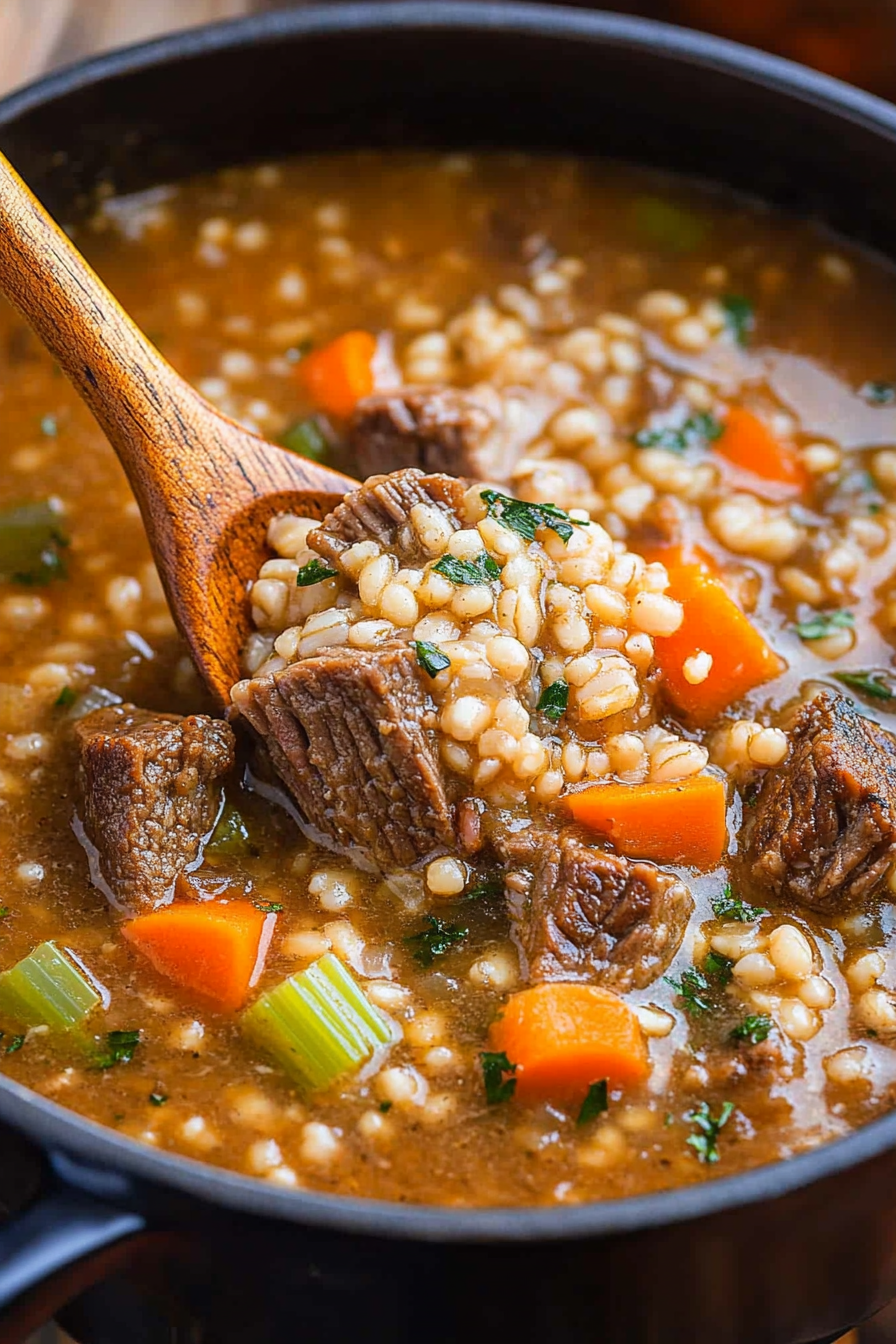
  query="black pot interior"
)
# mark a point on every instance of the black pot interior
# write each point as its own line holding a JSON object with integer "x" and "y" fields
{"x": 510, "y": 76}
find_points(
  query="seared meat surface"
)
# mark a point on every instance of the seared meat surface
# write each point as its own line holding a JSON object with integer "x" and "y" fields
{"x": 345, "y": 732}
{"x": 436, "y": 429}
{"x": 824, "y": 827}
{"x": 579, "y": 913}
{"x": 148, "y": 796}
{"x": 382, "y": 510}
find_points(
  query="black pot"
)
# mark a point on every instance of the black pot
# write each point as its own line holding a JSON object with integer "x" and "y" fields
{"x": 149, "y": 1248}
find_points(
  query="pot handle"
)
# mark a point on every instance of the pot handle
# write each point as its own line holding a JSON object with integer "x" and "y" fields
{"x": 55, "y": 1249}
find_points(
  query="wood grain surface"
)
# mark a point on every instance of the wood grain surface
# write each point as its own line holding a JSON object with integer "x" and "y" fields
{"x": 206, "y": 486}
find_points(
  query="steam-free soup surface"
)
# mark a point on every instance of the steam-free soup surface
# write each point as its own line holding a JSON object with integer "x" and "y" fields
{"x": 616, "y": 325}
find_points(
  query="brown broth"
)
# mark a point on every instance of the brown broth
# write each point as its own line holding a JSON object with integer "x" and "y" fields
{"x": 362, "y": 233}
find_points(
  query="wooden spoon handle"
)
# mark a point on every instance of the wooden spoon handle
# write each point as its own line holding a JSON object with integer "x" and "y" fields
{"x": 206, "y": 486}
{"x": 152, "y": 417}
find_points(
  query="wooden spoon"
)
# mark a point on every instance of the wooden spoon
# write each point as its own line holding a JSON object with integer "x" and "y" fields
{"x": 206, "y": 486}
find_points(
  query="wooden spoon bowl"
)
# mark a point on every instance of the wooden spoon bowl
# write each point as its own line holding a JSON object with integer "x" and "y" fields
{"x": 207, "y": 488}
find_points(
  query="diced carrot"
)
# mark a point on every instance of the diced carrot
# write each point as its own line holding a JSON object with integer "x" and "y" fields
{"x": 216, "y": 948}
{"x": 682, "y": 821}
{"x": 337, "y": 376}
{"x": 750, "y": 445}
{"x": 713, "y": 623}
{"x": 563, "y": 1037}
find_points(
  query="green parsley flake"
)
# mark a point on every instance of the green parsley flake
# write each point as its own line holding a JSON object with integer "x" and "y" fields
{"x": 754, "y": 1028}
{"x": 595, "y": 1103}
{"x": 878, "y": 394}
{"x": 314, "y": 572}
{"x": 718, "y": 968}
{"x": 705, "y": 1141}
{"x": 692, "y": 989}
{"x": 48, "y": 426}
{"x": 120, "y": 1047}
{"x": 824, "y": 623}
{"x": 65, "y": 699}
{"x": 740, "y": 318}
{"x": 430, "y": 657}
{"x": 15, "y": 1044}
{"x": 497, "y": 1087}
{"x": 481, "y": 569}
{"x": 31, "y": 544}
{"x": 698, "y": 431}
{"x": 268, "y": 907}
{"x": 525, "y": 519}
{"x": 488, "y": 887}
{"x": 385, "y": 1107}
{"x": 436, "y": 939}
{"x": 5, "y": 911}
{"x": 157, "y": 1098}
{"x": 874, "y": 684}
{"x": 554, "y": 699}
{"x": 731, "y": 908}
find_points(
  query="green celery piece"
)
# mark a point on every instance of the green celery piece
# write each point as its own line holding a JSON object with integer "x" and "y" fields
{"x": 31, "y": 544}
{"x": 45, "y": 988}
{"x": 230, "y": 838}
{"x": 318, "y": 1025}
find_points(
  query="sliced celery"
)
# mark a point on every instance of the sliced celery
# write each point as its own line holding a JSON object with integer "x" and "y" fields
{"x": 44, "y": 988}
{"x": 318, "y": 1024}
{"x": 31, "y": 543}
{"x": 230, "y": 838}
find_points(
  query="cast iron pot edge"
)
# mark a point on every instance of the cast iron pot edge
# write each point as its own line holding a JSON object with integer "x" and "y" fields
{"x": 57, "y": 1128}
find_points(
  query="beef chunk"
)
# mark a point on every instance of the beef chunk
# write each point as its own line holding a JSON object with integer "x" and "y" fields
{"x": 436, "y": 429}
{"x": 345, "y": 732}
{"x": 465, "y": 433}
{"x": 148, "y": 797}
{"x": 824, "y": 831}
{"x": 579, "y": 913}
{"x": 380, "y": 510}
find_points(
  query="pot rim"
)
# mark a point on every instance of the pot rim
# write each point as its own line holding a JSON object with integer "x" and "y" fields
{"x": 73, "y": 1139}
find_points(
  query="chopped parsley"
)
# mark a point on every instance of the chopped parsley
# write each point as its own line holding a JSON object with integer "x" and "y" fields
{"x": 157, "y": 1098}
{"x": 697, "y": 432}
{"x": 314, "y": 572}
{"x": 15, "y": 1044}
{"x": 878, "y": 394}
{"x": 487, "y": 887}
{"x": 668, "y": 226}
{"x": 874, "y": 684}
{"x": 740, "y": 318}
{"x": 754, "y": 1028}
{"x": 430, "y": 657}
{"x": 525, "y": 519}
{"x": 65, "y": 699}
{"x": 48, "y": 426}
{"x": 732, "y": 908}
{"x": 705, "y": 1141}
{"x": 436, "y": 939}
{"x": 718, "y": 968}
{"x": 497, "y": 1087}
{"x": 692, "y": 989}
{"x": 31, "y": 544}
{"x": 595, "y": 1103}
{"x": 385, "y": 1107}
{"x": 824, "y": 623}
{"x": 120, "y": 1047}
{"x": 268, "y": 907}
{"x": 305, "y": 439}
{"x": 5, "y": 911}
{"x": 481, "y": 569}
{"x": 554, "y": 699}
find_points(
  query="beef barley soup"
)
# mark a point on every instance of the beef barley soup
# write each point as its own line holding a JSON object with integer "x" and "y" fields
{"x": 549, "y": 851}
